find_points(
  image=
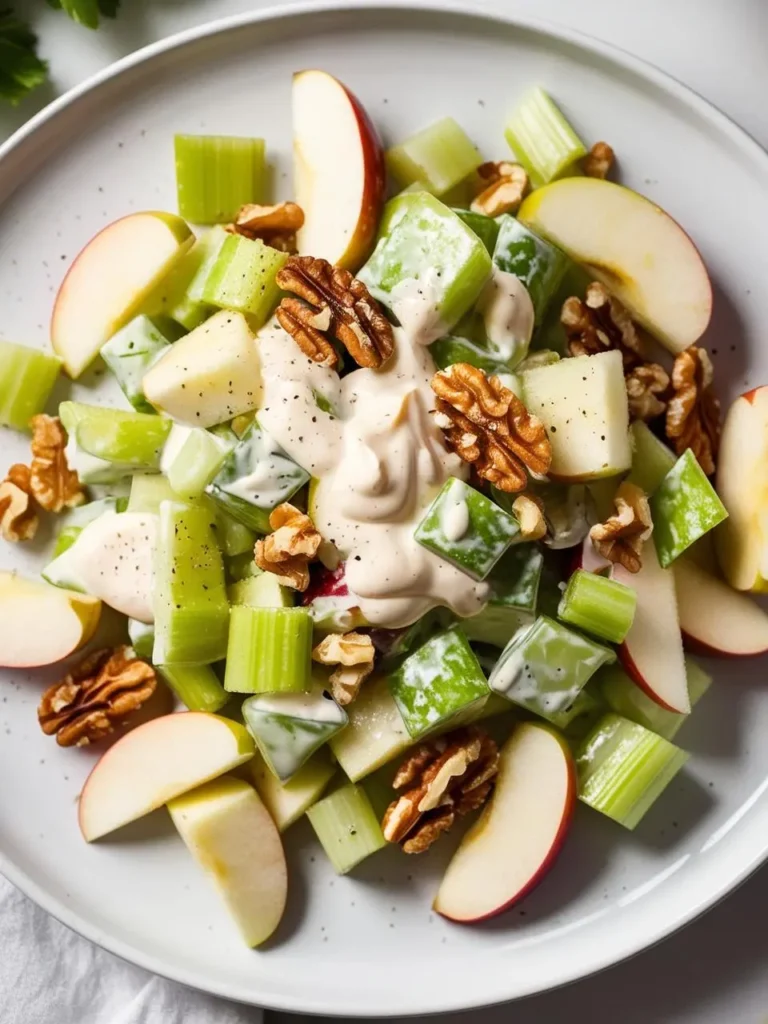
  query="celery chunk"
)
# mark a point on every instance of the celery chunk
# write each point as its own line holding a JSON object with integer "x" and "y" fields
{"x": 486, "y": 228}
{"x": 131, "y": 352}
{"x": 129, "y": 440}
{"x": 243, "y": 278}
{"x": 514, "y": 585}
{"x": 234, "y": 537}
{"x": 540, "y": 265}
{"x": 347, "y": 827}
{"x": 192, "y": 457}
{"x": 541, "y": 138}
{"x": 269, "y": 650}
{"x": 438, "y": 157}
{"x": 261, "y": 591}
{"x": 651, "y": 458}
{"x": 451, "y": 349}
{"x": 599, "y": 605}
{"x": 27, "y": 378}
{"x": 288, "y": 801}
{"x": 196, "y": 686}
{"x": 147, "y": 491}
{"x": 216, "y": 175}
{"x": 684, "y": 507}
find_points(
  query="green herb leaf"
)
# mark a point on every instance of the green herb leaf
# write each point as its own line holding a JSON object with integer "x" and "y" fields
{"x": 21, "y": 70}
{"x": 86, "y": 12}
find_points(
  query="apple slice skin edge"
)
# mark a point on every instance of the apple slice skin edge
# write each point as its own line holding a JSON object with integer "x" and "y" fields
{"x": 374, "y": 190}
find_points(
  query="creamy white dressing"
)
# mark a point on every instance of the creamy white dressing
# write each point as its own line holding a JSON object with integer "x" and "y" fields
{"x": 312, "y": 707}
{"x": 454, "y": 515}
{"x": 508, "y": 315}
{"x": 416, "y": 305}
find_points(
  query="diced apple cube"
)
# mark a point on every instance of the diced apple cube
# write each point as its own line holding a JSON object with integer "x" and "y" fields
{"x": 684, "y": 508}
{"x": 438, "y": 157}
{"x": 376, "y": 732}
{"x": 540, "y": 265}
{"x": 288, "y": 801}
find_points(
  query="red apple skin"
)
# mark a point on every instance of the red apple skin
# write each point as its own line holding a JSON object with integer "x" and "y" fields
{"x": 750, "y": 396}
{"x": 631, "y": 669}
{"x": 374, "y": 190}
{"x": 554, "y": 850}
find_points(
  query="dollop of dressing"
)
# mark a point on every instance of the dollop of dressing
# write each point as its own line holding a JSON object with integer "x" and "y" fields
{"x": 508, "y": 315}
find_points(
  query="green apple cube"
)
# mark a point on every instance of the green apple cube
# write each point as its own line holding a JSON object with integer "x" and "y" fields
{"x": 131, "y": 352}
{"x": 583, "y": 404}
{"x": 438, "y": 157}
{"x": 241, "y": 567}
{"x": 243, "y": 278}
{"x": 651, "y": 458}
{"x": 148, "y": 490}
{"x": 542, "y": 139}
{"x": 376, "y": 732}
{"x": 261, "y": 591}
{"x": 514, "y": 585}
{"x": 486, "y": 228}
{"x": 234, "y": 537}
{"x": 684, "y": 507}
{"x": 27, "y": 377}
{"x": 545, "y": 667}
{"x": 599, "y": 605}
{"x": 428, "y": 267}
{"x": 347, "y": 827}
{"x": 288, "y": 801}
{"x": 192, "y": 457}
{"x": 623, "y": 768}
{"x": 78, "y": 518}
{"x": 129, "y": 441}
{"x": 216, "y": 175}
{"x": 579, "y": 718}
{"x": 496, "y": 624}
{"x": 289, "y": 727}
{"x": 540, "y": 265}
{"x": 466, "y": 529}
{"x": 256, "y": 477}
{"x": 438, "y": 682}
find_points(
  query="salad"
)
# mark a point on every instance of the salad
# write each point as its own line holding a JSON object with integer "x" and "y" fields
{"x": 413, "y": 509}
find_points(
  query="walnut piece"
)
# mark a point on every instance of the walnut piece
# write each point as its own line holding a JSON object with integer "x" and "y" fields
{"x": 18, "y": 509}
{"x": 353, "y": 653}
{"x": 530, "y": 515}
{"x": 621, "y": 537}
{"x": 504, "y": 185}
{"x": 488, "y": 426}
{"x": 341, "y": 305}
{"x": 647, "y": 386}
{"x": 440, "y": 780}
{"x": 693, "y": 413}
{"x": 288, "y": 551}
{"x": 53, "y": 484}
{"x": 276, "y": 225}
{"x": 95, "y": 696}
{"x": 599, "y": 161}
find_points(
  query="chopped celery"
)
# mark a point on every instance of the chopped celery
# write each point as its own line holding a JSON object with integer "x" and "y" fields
{"x": 540, "y": 265}
{"x": 288, "y": 801}
{"x": 347, "y": 827}
{"x": 261, "y": 591}
{"x": 191, "y": 607}
{"x": 216, "y": 175}
{"x": 651, "y": 458}
{"x": 438, "y": 157}
{"x": 130, "y": 440}
{"x": 131, "y": 352}
{"x": 197, "y": 686}
{"x": 243, "y": 278}
{"x": 26, "y": 381}
{"x": 684, "y": 507}
{"x": 206, "y": 252}
{"x": 242, "y": 567}
{"x": 496, "y": 624}
{"x": 623, "y": 768}
{"x": 576, "y": 720}
{"x": 514, "y": 585}
{"x": 195, "y": 461}
{"x": 90, "y": 469}
{"x": 147, "y": 491}
{"x": 451, "y": 349}
{"x": 599, "y": 605}
{"x": 376, "y": 732}
{"x": 269, "y": 650}
{"x": 234, "y": 538}
{"x": 142, "y": 637}
{"x": 486, "y": 228}
{"x": 171, "y": 299}
{"x": 541, "y": 138}
{"x": 79, "y": 517}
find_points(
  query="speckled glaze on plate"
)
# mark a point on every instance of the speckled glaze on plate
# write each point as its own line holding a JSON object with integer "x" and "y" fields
{"x": 368, "y": 944}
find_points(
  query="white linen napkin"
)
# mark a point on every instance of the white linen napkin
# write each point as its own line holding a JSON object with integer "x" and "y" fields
{"x": 49, "y": 975}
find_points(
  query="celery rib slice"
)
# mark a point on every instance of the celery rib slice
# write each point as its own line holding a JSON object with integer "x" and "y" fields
{"x": 269, "y": 650}
{"x": 347, "y": 827}
{"x": 27, "y": 378}
{"x": 542, "y": 139}
{"x": 216, "y": 175}
{"x": 196, "y": 686}
{"x": 599, "y": 605}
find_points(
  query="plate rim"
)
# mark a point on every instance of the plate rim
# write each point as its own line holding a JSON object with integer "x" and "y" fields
{"x": 622, "y": 60}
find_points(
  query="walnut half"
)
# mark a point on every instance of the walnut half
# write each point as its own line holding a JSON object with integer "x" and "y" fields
{"x": 693, "y": 414}
{"x": 621, "y": 537}
{"x": 18, "y": 509}
{"x": 503, "y": 188}
{"x": 354, "y": 654}
{"x": 288, "y": 551}
{"x": 54, "y": 485}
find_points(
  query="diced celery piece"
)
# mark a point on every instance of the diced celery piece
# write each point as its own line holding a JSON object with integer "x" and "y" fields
{"x": 191, "y": 607}
{"x": 651, "y": 458}
{"x": 192, "y": 458}
{"x": 684, "y": 507}
{"x": 347, "y": 827}
{"x": 288, "y": 801}
{"x": 550, "y": 334}
{"x": 131, "y": 352}
{"x": 540, "y": 265}
{"x": 580, "y": 717}
{"x": 289, "y": 727}
{"x": 243, "y": 278}
{"x": 27, "y": 377}
{"x": 261, "y": 591}
{"x": 196, "y": 686}
{"x": 130, "y": 440}
{"x": 601, "y": 606}
{"x": 269, "y": 650}
{"x": 393, "y": 644}
{"x": 438, "y": 157}
{"x": 428, "y": 267}
{"x": 234, "y": 537}
{"x": 376, "y": 732}
{"x": 216, "y": 175}
{"x": 256, "y": 477}
{"x": 625, "y": 697}
{"x": 466, "y": 529}
{"x": 206, "y": 252}
{"x": 541, "y": 138}
{"x": 623, "y": 768}
{"x": 486, "y": 228}
{"x": 89, "y": 469}
{"x": 171, "y": 299}
{"x": 449, "y": 350}
{"x": 496, "y": 624}
{"x": 147, "y": 491}
{"x": 142, "y": 637}
{"x": 242, "y": 567}
{"x": 79, "y": 517}
{"x": 545, "y": 667}
{"x": 437, "y": 682}
{"x": 514, "y": 585}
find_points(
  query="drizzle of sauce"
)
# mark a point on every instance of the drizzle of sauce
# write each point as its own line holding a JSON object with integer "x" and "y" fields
{"x": 508, "y": 315}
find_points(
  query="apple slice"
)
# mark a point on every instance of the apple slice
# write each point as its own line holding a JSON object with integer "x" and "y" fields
{"x": 714, "y": 618}
{"x": 633, "y": 247}
{"x": 157, "y": 762}
{"x": 517, "y": 838}
{"x": 742, "y": 484}
{"x": 231, "y": 835}
{"x": 109, "y": 280}
{"x": 339, "y": 176}
{"x": 41, "y": 624}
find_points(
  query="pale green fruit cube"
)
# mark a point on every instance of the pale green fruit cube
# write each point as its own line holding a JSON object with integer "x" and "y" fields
{"x": 684, "y": 508}
{"x": 437, "y": 158}
{"x": 540, "y": 265}
{"x": 651, "y": 458}
{"x": 514, "y": 585}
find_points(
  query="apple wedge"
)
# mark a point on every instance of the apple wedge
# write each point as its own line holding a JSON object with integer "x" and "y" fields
{"x": 69, "y": 621}
{"x": 742, "y": 484}
{"x": 229, "y": 832}
{"x": 108, "y": 281}
{"x": 633, "y": 247}
{"x": 516, "y": 840}
{"x": 714, "y": 618}
{"x": 157, "y": 762}
{"x": 339, "y": 175}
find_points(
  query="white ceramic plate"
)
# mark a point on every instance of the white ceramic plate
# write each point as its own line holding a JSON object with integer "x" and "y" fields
{"x": 369, "y": 944}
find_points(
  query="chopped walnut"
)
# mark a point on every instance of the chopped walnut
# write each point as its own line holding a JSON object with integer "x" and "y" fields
{"x": 95, "y": 696}
{"x": 693, "y": 413}
{"x": 276, "y": 225}
{"x": 353, "y": 653}
{"x": 504, "y": 185}
{"x": 530, "y": 515}
{"x": 487, "y": 425}
{"x": 441, "y": 779}
{"x": 288, "y": 551}
{"x": 18, "y": 509}
{"x": 340, "y": 305}
{"x": 598, "y": 161}
{"x": 599, "y": 323}
{"x": 621, "y": 537}
{"x": 647, "y": 385}
{"x": 54, "y": 485}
